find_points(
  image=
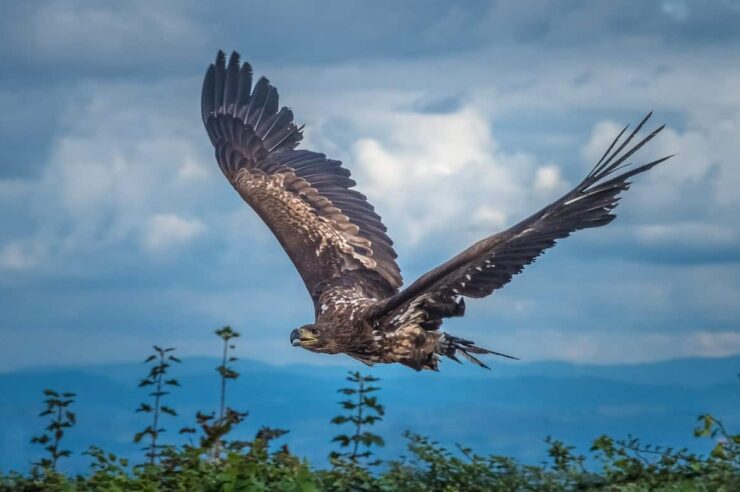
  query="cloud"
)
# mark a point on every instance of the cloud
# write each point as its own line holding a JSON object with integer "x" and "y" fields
{"x": 549, "y": 182}
{"x": 14, "y": 256}
{"x": 165, "y": 230}
{"x": 116, "y": 38}
{"x": 616, "y": 347}
{"x": 686, "y": 207}
{"x": 432, "y": 174}
{"x": 118, "y": 173}
{"x": 457, "y": 120}
{"x": 688, "y": 234}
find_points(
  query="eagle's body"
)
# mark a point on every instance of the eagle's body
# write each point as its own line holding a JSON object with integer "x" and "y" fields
{"x": 339, "y": 244}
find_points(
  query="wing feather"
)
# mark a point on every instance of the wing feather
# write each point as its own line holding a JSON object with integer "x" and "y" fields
{"x": 330, "y": 231}
{"x": 492, "y": 262}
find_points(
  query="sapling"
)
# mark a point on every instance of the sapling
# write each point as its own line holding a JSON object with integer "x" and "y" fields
{"x": 216, "y": 427}
{"x": 226, "y": 372}
{"x": 160, "y": 362}
{"x": 57, "y": 406}
{"x": 363, "y": 410}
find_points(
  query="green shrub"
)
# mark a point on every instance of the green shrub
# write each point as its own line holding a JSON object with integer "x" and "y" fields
{"x": 214, "y": 463}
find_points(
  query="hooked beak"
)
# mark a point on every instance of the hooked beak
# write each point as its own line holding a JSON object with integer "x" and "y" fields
{"x": 300, "y": 337}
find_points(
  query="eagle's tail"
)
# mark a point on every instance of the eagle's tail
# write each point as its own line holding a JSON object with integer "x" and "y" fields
{"x": 449, "y": 346}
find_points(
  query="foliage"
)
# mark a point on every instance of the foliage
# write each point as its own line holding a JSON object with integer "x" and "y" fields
{"x": 161, "y": 361}
{"x": 225, "y": 371}
{"x": 57, "y": 406}
{"x": 612, "y": 465}
{"x": 623, "y": 466}
{"x": 363, "y": 410}
{"x": 214, "y": 429}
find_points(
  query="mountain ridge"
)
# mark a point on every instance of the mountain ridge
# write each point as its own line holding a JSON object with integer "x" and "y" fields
{"x": 508, "y": 410}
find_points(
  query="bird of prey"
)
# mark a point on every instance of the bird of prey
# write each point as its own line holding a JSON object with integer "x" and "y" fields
{"x": 339, "y": 245}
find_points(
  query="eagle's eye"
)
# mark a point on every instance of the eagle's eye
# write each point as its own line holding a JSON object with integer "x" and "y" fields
{"x": 315, "y": 331}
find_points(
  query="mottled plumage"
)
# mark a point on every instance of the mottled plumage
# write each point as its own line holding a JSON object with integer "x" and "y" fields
{"x": 340, "y": 247}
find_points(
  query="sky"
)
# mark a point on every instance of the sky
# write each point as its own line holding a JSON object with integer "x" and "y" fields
{"x": 118, "y": 231}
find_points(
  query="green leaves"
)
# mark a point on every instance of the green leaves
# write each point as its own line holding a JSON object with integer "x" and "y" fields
{"x": 614, "y": 464}
{"x": 168, "y": 410}
{"x": 362, "y": 411}
{"x": 57, "y": 407}
{"x": 144, "y": 407}
{"x": 160, "y": 365}
{"x": 227, "y": 333}
{"x": 227, "y": 372}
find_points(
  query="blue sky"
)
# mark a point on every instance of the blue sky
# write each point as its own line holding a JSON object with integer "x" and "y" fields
{"x": 118, "y": 230}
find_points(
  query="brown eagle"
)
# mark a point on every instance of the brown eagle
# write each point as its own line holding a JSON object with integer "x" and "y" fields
{"x": 339, "y": 245}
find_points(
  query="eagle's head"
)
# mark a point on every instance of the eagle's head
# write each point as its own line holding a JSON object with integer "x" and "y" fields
{"x": 313, "y": 338}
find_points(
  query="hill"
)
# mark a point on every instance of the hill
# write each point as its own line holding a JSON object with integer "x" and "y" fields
{"x": 508, "y": 410}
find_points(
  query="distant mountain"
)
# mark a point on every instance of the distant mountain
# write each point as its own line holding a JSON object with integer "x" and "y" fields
{"x": 508, "y": 410}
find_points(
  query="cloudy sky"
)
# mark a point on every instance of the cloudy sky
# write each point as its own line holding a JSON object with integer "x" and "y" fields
{"x": 457, "y": 119}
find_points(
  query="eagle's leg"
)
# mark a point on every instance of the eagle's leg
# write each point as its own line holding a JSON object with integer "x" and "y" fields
{"x": 449, "y": 346}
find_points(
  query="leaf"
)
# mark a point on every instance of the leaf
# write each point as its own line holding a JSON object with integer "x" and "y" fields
{"x": 168, "y": 411}
{"x": 43, "y": 439}
{"x": 375, "y": 439}
{"x": 342, "y": 439}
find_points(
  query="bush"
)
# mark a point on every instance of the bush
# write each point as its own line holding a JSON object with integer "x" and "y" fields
{"x": 218, "y": 464}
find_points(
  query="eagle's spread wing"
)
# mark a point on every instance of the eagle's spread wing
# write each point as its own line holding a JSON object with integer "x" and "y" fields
{"x": 330, "y": 231}
{"x": 492, "y": 262}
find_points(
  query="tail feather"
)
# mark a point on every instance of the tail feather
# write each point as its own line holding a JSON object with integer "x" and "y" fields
{"x": 450, "y": 346}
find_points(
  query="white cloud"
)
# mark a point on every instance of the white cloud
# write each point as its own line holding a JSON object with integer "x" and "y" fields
{"x": 17, "y": 256}
{"x": 688, "y": 234}
{"x": 489, "y": 217}
{"x": 119, "y": 172}
{"x": 115, "y": 35}
{"x": 191, "y": 171}
{"x": 693, "y": 197}
{"x": 549, "y": 182}
{"x": 602, "y": 135}
{"x": 130, "y": 165}
{"x": 614, "y": 347}
{"x": 429, "y": 173}
{"x": 166, "y": 230}
{"x": 677, "y": 10}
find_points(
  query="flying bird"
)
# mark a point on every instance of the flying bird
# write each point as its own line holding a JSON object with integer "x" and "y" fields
{"x": 340, "y": 247}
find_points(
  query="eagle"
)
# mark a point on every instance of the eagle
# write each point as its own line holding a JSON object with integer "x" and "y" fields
{"x": 341, "y": 249}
